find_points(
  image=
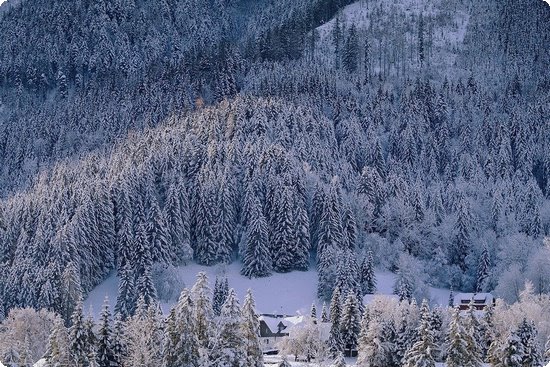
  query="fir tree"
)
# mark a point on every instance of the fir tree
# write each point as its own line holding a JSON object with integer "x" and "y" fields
{"x": 457, "y": 350}
{"x": 78, "y": 338}
{"x": 57, "y": 353}
{"x": 473, "y": 337}
{"x": 229, "y": 347}
{"x": 251, "y": 332}
{"x": 257, "y": 259}
{"x": 339, "y": 361}
{"x": 221, "y": 289}
{"x": 482, "y": 270}
{"x": 350, "y": 322}
{"x": 313, "y": 311}
{"x": 202, "y": 310}
{"x": 528, "y": 336}
{"x": 126, "y": 297}
{"x": 335, "y": 338}
{"x": 186, "y": 341}
{"x": 351, "y": 50}
{"x": 105, "y": 353}
{"x": 368, "y": 278}
{"x": 324, "y": 313}
{"x": 422, "y": 352}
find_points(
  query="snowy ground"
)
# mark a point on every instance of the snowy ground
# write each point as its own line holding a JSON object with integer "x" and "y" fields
{"x": 290, "y": 293}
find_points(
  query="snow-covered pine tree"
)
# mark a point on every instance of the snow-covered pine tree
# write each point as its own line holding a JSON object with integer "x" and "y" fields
{"x": 339, "y": 361}
{"x": 350, "y": 322}
{"x": 228, "y": 349}
{"x": 257, "y": 258}
{"x": 126, "y": 297}
{"x": 251, "y": 332}
{"x": 528, "y": 335}
{"x": 512, "y": 351}
{"x": 313, "y": 311}
{"x": 302, "y": 246}
{"x": 145, "y": 287}
{"x": 324, "y": 313}
{"x": 375, "y": 349}
{"x": 186, "y": 341}
{"x": 403, "y": 287}
{"x": 176, "y": 212}
{"x": 118, "y": 342}
{"x": 547, "y": 348}
{"x": 406, "y": 334}
{"x": 483, "y": 270}
{"x": 202, "y": 310}
{"x": 350, "y": 228}
{"x": 105, "y": 353}
{"x": 368, "y": 278}
{"x": 457, "y": 346}
{"x": 283, "y": 238}
{"x": 335, "y": 338}
{"x": 473, "y": 337}
{"x": 78, "y": 338}
{"x": 422, "y": 352}
{"x": 57, "y": 353}
{"x": 221, "y": 290}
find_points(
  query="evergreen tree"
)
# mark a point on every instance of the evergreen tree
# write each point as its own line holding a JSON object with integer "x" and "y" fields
{"x": 350, "y": 322}
{"x": 324, "y": 313}
{"x": 229, "y": 349}
{"x": 221, "y": 290}
{"x": 335, "y": 338}
{"x": 251, "y": 332}
{"x": 339, "y": 361}
{"x": 57, "y": 353}
{"x": 78, "y": 338}
{"x": 457, "y": 350}
{"x": 313, "y": 311}
{"x": 376, "y": 347}
{"x": 368, "y": 278}
{"x": 422, "y": 352}
{"x": 283, "y": 238}
{"x": 126, "y": 294}
{"x": 473, "y": 337}
{"x": 105, "y": 353}
{"x": 257, "y": 259}
{"x": 202, "y": 310}
{"x": 482, "y": 270}
{"x": 528, "y": 336}
{"x": 186, "y": 342}
{"x": 351, "y": 51}
{"x": 512, "y": 352}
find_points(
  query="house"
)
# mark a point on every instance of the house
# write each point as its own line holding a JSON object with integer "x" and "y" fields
{"x": 272, "y": 330}
{"x": 480, "y": 300}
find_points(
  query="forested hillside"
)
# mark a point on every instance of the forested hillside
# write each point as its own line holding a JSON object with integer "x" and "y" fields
{"x": 283, "y": 135}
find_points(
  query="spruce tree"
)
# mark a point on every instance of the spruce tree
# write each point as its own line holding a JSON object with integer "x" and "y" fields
{"x": 457, "y": 350}
{"x": 482, "y": 270}
{"x": 473, "y": 337}
{"x": 324, "y": 313}
{"x": 251, "y": 332}
{"x": 228, "y": 349}
{"x": 313, "y": 311}
{"x": 186, "y": 343}
{"x": 528, "y": 336}
{"x": 335, "y": 337}
{"x": 105, "y": 353}
{"x": 368, "y": 278}
{"x": 58, "y": 353}
{"x": 283, "y": 239}
{"x": 422, "y": 352}
{"x": 78, "y": 338}
{"x": 257, "y": 259}
{"x": 350, "y": 322}
{"x": 126, "y": 297}
{"x": 202, "y": 310}
{"x": 351, "y": 51}
{"x": 339, "y": 361}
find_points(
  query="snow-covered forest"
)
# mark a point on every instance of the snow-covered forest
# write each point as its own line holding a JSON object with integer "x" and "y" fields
{"x": 337, "y": 136}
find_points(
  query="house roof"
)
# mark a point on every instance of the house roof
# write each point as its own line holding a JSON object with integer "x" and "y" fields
{"x": 480, "y": 298}
{"x": 274, "y": 322}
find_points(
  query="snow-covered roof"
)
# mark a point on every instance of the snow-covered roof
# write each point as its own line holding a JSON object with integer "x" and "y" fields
{"x": 273, "y": 322}
{"x": 40, "y": 363}
{"x": 479, "y": 298}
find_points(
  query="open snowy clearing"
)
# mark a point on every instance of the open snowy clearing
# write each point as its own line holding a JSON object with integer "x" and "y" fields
{"x": 289, "y": 293}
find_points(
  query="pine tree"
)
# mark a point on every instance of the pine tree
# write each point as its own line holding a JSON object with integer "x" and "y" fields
{"x": 186, "y": 343}
{"x": 257, "y": 259}
{"x": 472, "y": 337}
{"x": 126, "y": 297}
{"x": 547, "y": 348}
{"x": 335, "y": 338}
{"x": 421, "y": 354}
{"x": 351, "y": 51}
{"x": 528, "y": 335}
{"x": 57, "y": 353}
{"x": 313, "y": 311}
{"x": 229, "y": 347}
{"x": 339, "y": 361}
{"x": 105, "y": 353}
{"x": 251, "y": 332}
{"x": 350, "y": 322}
{"x": 376, "y": 347}
{"x": 368, "y": 278}
{"x": 118, "y": 344}
{"x": 221, "y": 290}
{"x": 512, "y": 352}
{"x": 457, "y": 350}
{"x": 202, "y": 310}
{"x": 78, "y": 338}
{"x": 302, "y": 246}
{"x": 482, "y": 270}
{"x": 283, "y": 238}
{"x": 324, "y": 313}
